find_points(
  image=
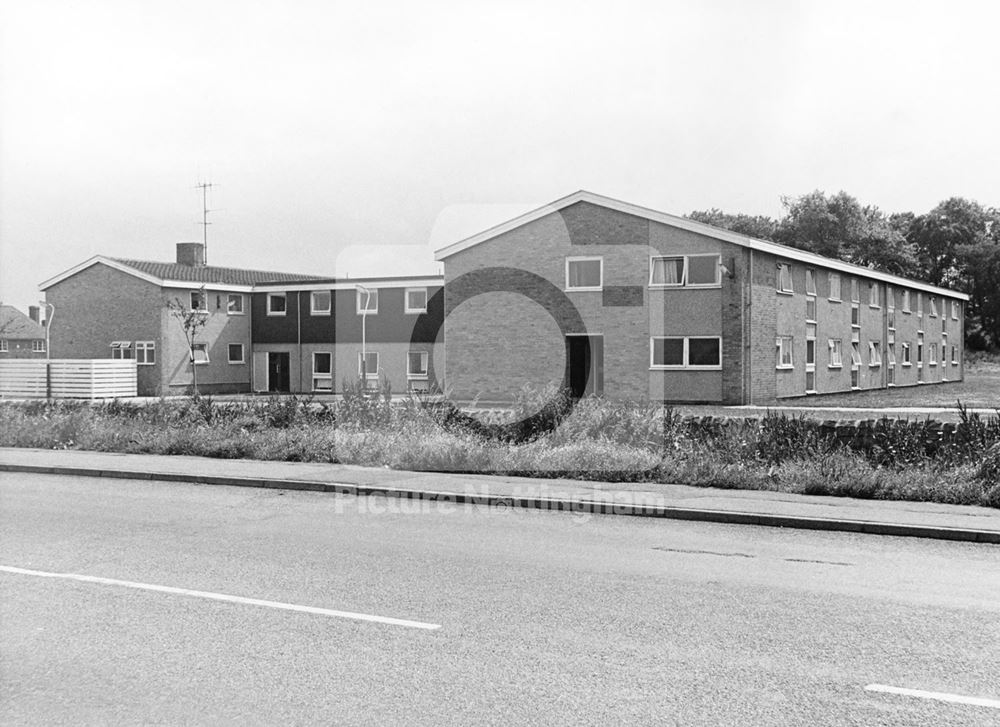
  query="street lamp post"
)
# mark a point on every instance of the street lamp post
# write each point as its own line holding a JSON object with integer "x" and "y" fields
{"x": 50, "y": 313}
{"x": 364, "y": 347}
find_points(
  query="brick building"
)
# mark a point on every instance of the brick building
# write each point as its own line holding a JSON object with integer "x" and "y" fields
{"x": 21, "y": 336}
{"x": 608, "y": 297}
{"x": 264, "y": 331}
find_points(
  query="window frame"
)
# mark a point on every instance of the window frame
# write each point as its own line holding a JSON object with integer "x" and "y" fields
{"x": 38, "y": 345}
{"x": 425, "y": 358}
{"x": 229, "y": 304}
{"x": 406, "y": 300}
{"x": 831, "y": 276}
{"x": 905, "y": 306}
{"x": 874, "y": 354}
{"x": 313, "y": 310}
{"x": 932, "y": 306}
{"x": 954, "y": 310}
{"x": 202, "y": 296}
{"x": 685, "y": 356}
{"x": 906, "y": 353}
{"x": 322, "y": 376}
{"x": 357, "y": 302}
{"x": 781, "y": 349}
{"x": 779, "y": 286}
{"x": 118, "y": 346}
{"x": 270, "y": 308}
{"x": 4, "y": 346}
{"x": 584, "y": 259}
{"x": 686, "y": 271}
{"x": 811, "y": 281}
{"x": 873, "y": 292}
{"x": 229, "y": 354}
{"x": 148, "y": 349}
{"x": 855, "y": 290}
{"x": 835, "y": 352}
{"x": 378, "y": 362}
{"x": 199, "y": 347}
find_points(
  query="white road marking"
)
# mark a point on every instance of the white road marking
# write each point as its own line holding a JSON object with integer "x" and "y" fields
{"x": 224, "y": 597}
{"x": 940, "y": 696}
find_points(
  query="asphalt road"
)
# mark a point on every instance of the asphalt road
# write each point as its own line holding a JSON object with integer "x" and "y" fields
{"x": 544, "y": 618}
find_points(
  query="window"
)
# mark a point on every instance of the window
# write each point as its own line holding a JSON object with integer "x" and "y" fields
{"x": 199, "y": 353}
{"x": 784, "y": 351}
{"x": 236, "y": 353}
{"x": 836, "y": 353}
{"x": 811, "y": 357}
{"x": 416, "y": 364}
{"x": 277, "y": 304}
{"x": 906, "y": 301}
{"x": 584, "y": 273}
{"x": 905, "y": 351}
{"x": 932, "y": 354}
{"x": 855, "y": 354}
{"x": 369, "y": 363}
{"x": 855, "y": 295}
{"x": 234, "y": 304}
{"x": 932, "y": 301}
{"x": 855, "y": 378}
{"x": 856, "y": 315}
{"x": 891, "y": 319}
{"x": 890, "y": 355}
{"x": 810, "y": 281}
{"x": 954, "y": 310}
{"x": 199, "y": 301}
{"x": 368, "y": 297}
{"x": 954, "y": 355}
{"x": 122, "y": 349}
{"x": 810, "y": 309}
{"x": 873, "y": 300}
{"x": 690, "y": 352}
{"x": 785, "y": 278}
{"x": 920, "y": 304}
{"x": 693, "y": 271}
{"x": 145, "y": 353}
{"x": 920, "y": 349}
{"x": 890, "y": 298}
{"x": 38, "y": 345}
{"x": 4, "y": 346}
{"x": 944, "y": 323}
{"x": 874, "y": 353}
{"x": 416, "y": 300}
{"x": 835, "y": 286}
{"x": 320, "y": 303}
{"x": 322, "y": 379}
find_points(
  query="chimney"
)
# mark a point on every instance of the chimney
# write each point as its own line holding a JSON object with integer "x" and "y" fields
{"x": 191, "y": 254}
{"x": 33, "y": 313}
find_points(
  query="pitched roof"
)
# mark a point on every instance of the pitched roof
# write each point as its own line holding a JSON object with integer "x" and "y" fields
{"x": 162, "y": 273}
{"x": 209, "y": 273}
{"x": 783, "y": 251}
{"x": 14, "y": 324}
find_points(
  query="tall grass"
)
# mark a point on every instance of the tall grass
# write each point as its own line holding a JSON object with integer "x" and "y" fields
{"x": 545, "y": 435}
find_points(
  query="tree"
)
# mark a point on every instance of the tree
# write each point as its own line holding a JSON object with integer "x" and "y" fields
{"x": 192, "y": 321}
{"x": 937, "y": 235}
{"x": 758, "y": 226}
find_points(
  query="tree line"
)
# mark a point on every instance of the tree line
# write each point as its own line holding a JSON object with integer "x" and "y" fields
{"x": 956, "y": 245}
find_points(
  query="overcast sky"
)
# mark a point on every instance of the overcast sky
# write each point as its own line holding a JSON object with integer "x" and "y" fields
{"x": 353, "y": 138}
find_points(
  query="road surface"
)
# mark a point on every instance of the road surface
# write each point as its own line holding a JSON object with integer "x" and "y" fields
{"x": 222, "y": 605}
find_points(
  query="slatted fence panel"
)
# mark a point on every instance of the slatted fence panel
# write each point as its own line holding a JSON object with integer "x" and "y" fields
{"x": 69, "y": 378}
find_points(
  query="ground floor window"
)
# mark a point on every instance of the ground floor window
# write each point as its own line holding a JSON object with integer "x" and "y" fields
{"x": 4, "y": 348}
{"x": 236, "y": 353}
{"x": 199, "y": 353}
{"x": 145, "y": 353}
{"x": 38, "y": 346}
{"x": 836, "y": 353}
{"x": 122, "y": 350}
{"x": 322, "y": 379}
{"x": 685, "y": 352}
{"x": 416, "y": 364}
{"x": 784, "y": 352}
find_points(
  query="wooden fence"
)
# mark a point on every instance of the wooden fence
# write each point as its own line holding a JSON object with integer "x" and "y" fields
{"x": 67, "y": 378}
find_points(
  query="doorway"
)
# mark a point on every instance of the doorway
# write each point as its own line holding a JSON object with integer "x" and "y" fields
{"x": 278, "y": 379}
{"x": 585, "y": 365}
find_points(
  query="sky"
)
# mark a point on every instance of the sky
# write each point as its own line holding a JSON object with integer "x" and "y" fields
{"x": 355, "y": 138}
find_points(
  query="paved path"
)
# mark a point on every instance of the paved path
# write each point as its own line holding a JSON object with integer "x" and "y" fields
{"x": 919, "y": 519}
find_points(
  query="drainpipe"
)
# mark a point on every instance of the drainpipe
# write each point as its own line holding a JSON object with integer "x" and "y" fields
{"x": 748, "y": 327}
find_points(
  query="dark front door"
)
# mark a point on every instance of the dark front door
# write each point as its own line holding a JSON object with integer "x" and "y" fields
{"x": 585, "y": 364}
{"x": 277, "y": 372}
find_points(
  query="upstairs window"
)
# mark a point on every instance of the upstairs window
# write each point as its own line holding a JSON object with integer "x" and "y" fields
{"x": 277, "y": 304}
{"x": 367, "y": 297}
{"x": 855, "y": 294}
{"x": 320, "y": 303}
{"x": 783, "y": 345}
{"x": 905, "y": 351}
{"x": 874, "y": 353}
{"x": 199, "y": 301}
{"x": 954, "y": 310}
{"x": 684, "y": 270}
{"x": 584, "y": 273}
{"x": 234, "y": 304}
{"x": 836, "y": 353}
{"x": 933, "y": 306}
{"x": 785, "y": 278}
{"x": 835, "y": 286}
{"x": 855, "y": 354}
{"x": 416, "y": 300}
{"x": 873, "y": 300}
{"x": 906, "y": 301}
{"x": 810, "y": 281}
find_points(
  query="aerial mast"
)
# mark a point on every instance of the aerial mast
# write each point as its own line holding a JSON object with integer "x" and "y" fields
{"x": 204, "y": 187}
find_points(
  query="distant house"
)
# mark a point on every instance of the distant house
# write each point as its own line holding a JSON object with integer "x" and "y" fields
{"x": 21, "y": 336}
{"x": 265, "y": 331}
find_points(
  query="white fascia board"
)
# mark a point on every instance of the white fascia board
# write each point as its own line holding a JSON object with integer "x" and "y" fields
{"x": 352, "y": 284}
{"x": 98, "y": 259}
{"x": 773, "y": 248}
{"x": 213, "y": 287}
